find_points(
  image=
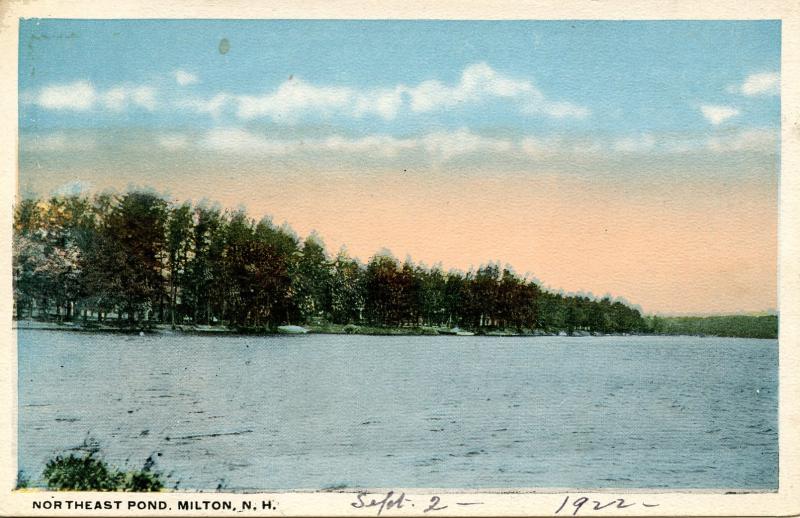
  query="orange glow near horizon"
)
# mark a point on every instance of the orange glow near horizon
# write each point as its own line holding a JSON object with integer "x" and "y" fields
{"x": 691, "y": 247}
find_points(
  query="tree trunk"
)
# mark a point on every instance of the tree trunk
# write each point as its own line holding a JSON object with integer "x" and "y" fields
{"x": 173, "y": 296}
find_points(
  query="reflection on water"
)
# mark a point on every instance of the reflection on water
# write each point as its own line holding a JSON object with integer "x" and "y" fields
{"x": 323, "y": 411}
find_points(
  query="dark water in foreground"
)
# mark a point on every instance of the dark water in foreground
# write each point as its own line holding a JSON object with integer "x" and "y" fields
{"x": 317, "y": 411}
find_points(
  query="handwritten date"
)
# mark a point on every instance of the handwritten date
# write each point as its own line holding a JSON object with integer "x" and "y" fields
{"x": 396, "y": 501}
{"x": 392, "y": 500}
{"x": 579, "y": 503}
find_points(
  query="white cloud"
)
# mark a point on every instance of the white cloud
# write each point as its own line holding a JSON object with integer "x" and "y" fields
{"x": 173, "y": 141}
{"x": 717, "y": 114}
{"x": 429, "y": 95}
{"x": 679, "y": 145}
{"x": 756, "y": 140}
{"x": 539, "y": 147}
{"x": 762, "y": 140}
{"x": 478, "y": 82}
{"x": 446, "y": 145}
{"x": 185, "y": 78}
{"x": 438, "y": 145}
{"x": 239, "y": 141}
{"x": 77, "y": 96}
{"x": 385, "y": 102}
{"x": 296, "y": 98}
{"x": 535, "y": 146}
{"x": 212, "y": 106}
{"x": 561, "y": 110}
{"x": 115, "y": 99}
{"x": 383, "y": 144}
{"x": 293, "y": 98}
{"x": 635, "y": 144}
{"x": 762, "y": 83}
{"x": 82, "y": 96}
{"x": 120, "y": 98}
{"x": 144, "y": 96}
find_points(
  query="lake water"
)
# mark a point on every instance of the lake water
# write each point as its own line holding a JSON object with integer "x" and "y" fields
{"x": 325, "y": 411}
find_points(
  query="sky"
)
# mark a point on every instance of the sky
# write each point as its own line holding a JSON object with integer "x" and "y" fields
{"x": 634, "y": 159}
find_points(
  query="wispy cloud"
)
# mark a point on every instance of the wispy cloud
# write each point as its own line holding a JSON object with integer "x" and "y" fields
{"x": 433, "y": 146}
{"x": 380, "y": 144}
{"x": 184, "y": 78}
{"x": 57, "y": 142}
{"x": 173, "y": 141}
{"x": 446, "y": 145}
{"x": 437, "y": 145}
{"x": 762, "y": 83}
{"x": 561, "y": 110}
{"x": 635, "y": 144}
{"x": 442, "y": 146}
{"x": 542, "y": 147}
{"x": 752, "y": 139}
{"x": 717, "y": 114}
{"x": 241, "y": 141}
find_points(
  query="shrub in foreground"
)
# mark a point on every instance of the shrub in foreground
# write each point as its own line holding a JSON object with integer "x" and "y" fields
{"x": 90, "y": 474}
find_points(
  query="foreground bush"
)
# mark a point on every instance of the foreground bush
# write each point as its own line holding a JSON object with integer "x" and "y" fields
{"x": 90, "y": 474}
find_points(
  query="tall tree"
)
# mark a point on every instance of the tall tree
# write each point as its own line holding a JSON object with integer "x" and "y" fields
{"x": 133, "y": 244}
{"x": 347, "y": 290}
{"x": 311, "y": 278}
{"x": 382, "y": 289}
{"x": 179, "y": 245}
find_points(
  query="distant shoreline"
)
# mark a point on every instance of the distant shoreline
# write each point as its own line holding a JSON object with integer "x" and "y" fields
{"x": 329, "y": 329}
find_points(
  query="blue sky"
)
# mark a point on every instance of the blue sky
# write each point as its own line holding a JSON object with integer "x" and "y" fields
{"x": 635, "y": 158}
{"x": 616, "y": 78}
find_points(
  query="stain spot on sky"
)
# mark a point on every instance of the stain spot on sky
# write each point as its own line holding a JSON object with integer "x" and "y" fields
{"x": 224, "y": 46}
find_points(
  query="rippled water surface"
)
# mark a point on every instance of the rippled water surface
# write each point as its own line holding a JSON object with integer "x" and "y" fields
{"x": 322, "y": 411}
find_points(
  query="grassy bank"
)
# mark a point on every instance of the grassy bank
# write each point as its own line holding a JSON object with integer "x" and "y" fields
{"x": 320, "y": 328}
{"x": 724, "y": 326}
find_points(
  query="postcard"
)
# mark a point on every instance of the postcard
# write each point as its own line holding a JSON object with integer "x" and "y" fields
{"x": 400, "y": 260}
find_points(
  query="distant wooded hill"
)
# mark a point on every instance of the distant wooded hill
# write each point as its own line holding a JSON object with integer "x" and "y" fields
{"x": 734, "y": 325}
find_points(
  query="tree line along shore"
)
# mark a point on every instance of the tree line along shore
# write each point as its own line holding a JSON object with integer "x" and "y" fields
{"x": 135, "y": 261}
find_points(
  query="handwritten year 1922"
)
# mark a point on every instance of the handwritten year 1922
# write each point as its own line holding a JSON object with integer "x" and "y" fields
{"x": 597, "y": 505}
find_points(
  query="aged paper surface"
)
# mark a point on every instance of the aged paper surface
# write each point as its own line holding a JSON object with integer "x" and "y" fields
{"x": 446, "y": 143}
